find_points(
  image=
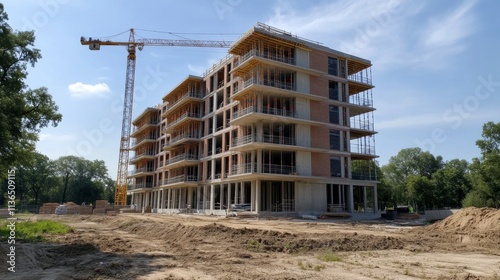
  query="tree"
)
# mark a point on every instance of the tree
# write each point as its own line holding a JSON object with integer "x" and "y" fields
{"x": 452, "y": 183}
{"x": 409, "y": 162}
{"x": 65, "y": 168}
{"x": 486, "y": 170}
{"x": 39, "y": 176}
{"x": 23, "y": 111}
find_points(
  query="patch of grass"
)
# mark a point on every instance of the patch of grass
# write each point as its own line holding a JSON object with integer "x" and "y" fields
{"x": 254, "y": 245}
{"x": 329, "y": 257}
{"x": 318, "y": 267}
{"x": 28, "y": 231}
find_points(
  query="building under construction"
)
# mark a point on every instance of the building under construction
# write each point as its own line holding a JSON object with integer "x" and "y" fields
{"x": 282, "y": 125}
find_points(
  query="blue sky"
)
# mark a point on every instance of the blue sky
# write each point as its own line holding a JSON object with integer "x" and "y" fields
{"x": 435, "y": 63}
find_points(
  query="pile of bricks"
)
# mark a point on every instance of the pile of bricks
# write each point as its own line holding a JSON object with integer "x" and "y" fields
{"x": 73, "y": 208}
{"x": 102, "y": 206}
{"x": 48, "y": 208}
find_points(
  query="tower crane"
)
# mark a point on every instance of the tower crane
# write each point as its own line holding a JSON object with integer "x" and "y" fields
{"x": 132, "y": 44}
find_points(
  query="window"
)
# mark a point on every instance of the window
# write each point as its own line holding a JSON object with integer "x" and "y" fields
{"x": 333, "y": 90}
{"x": 334, "y": 139}
{"x": 335, "y": 166}
{"x": 333, "y": 66}
{"x": 334, "y": 114}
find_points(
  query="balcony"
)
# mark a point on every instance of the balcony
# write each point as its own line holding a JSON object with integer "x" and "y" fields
{"x": 182, "y": 158}
{"x": 148, "y": 155}
{"x": 181, "y": 179}
{"x": 270, "y": 83}
{"x": 271, "y": 139}
{"x": 244, "y": 168}
{"x": 141, "y": 170}
{"x": 255, "y": 53}
{"x": 362, "y": 125}
{"x": 184, "y": 117}
{"x": 365, "y": 176}
{"x": 198, "y": 96}
{"x": 363, "y": 149}
{"x": 139, "y": 186}
{"x": 278, "y": 169}
{"x": 138, "y": 141}
{"x": 360, "y": 101}
{"x": 263, "y": 110}
{"x": 144, "y": 125}
{"x": 182, "y": 138}
{"x": 359, "y": 78}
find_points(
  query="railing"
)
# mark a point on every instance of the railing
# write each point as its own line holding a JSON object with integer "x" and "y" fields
{"x": 244, "y": 168}
{"x": 140, "y": 140}
{"x": 362, "y": 149}
{"x": 141, "y": 170}
{"x": 184, "y": 97}
{"x": 182, "y": 117}
{"x": 278, "y": 169}
{"x": 182, "y": 157}
{"x": 239, "y": 141}
{"x": 182, "y": 136}
{"x": 278, "y": 140}
{"x": 367, "y": 102}
{"x": 270, "y": 83}
{"x": 181, "y": 178}
{"x": 139, "y": 186}
{"x": 366, "y": 175}
{"x": 142, "y": 155}
{"x": 364, "y": 125}
{"x": 253, "y": 52}
{"x": 136, "y": 128}
{"x": 360, "y": 79}
{"x": 263, "y": 110}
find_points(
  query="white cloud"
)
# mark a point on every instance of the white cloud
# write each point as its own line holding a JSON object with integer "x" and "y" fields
{"x": 451, "y": 28}
{"x": 54, "y": 137}
{"x": 389, "y": 33}
{"x": 81, "y": 90}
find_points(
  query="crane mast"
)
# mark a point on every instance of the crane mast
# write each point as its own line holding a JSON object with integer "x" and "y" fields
{"x": 132, "y": 45}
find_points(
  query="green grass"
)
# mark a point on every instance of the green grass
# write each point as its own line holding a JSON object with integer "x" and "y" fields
{"x": 329, "y": 257}
{"x": 28, "y": 231}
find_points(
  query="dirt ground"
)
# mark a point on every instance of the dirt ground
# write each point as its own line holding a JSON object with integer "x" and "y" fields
{"x": 156, "y": 246}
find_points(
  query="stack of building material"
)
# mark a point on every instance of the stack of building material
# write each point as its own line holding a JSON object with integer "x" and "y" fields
{"x": 72, "y": 208}
{"x": 48, "y": 208}
{"x": 101, "y": 207}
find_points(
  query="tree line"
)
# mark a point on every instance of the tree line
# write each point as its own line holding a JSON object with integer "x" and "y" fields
{"x": 424, "y": 181}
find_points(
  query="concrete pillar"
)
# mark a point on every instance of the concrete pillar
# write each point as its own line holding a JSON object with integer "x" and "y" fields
{"x": 204, "y": 197}
{"x": 169, "y": 197}
{"x": 350, "y": 198}
{"x": 189, "y": 198}
{"x": 212, "y": 197}
{"x": 375, "y": 199}
{"x": 259, "y": 161}
{"x": 221, "y": 196}
{"x": 252, "y": 195}
{"x": 198, "y": 198}
{"x": 236, "y": 198}
{"x": 257, "y": 196}
{"x": 179, "y": 206}
{"x": 163, "y": 198}
{"x": 242, "y": 191}
{"x": 229, "y": 196}
{"x": 252, "y": 160}
{"x": 365, "y": 202}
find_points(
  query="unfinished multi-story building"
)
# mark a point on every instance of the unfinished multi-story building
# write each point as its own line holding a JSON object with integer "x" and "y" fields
{"x": 281, "y": 125}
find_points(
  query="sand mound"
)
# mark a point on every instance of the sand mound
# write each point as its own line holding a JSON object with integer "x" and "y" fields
{"x": 471, "y": 220}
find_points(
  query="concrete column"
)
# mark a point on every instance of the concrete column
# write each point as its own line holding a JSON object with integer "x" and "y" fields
{"x": 179, "y": 198}
{"x": 163, "y": 198}
{"x": 257, "y": 196}
{"x": 229, "y": 196}
{"x": 212, "y": 197}
{"x": 198, "y": 197}
{"x": 158, "y": 199}
{"x": 252, "y": 195}
{"x": 365, "y": 202}
{"x": 204, "y": 196}
{"x": 252, "y": 160}
{"x": 189, "y": 198}
{"x": 236, "y": 198}
{"x": 221, "y": 196}
{"x": 375, "y": 199}
{"x": 242, "y": 191}
{"x": 350, "y": 198}
{"x": 169, "y": 197}
{"x": 259, "y": 161}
